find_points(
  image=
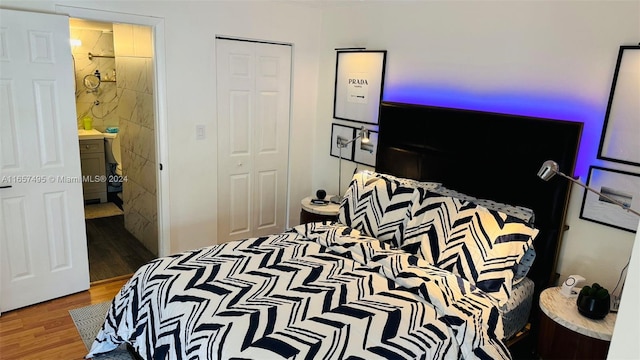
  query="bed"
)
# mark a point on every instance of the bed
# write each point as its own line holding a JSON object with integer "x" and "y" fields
{"x": 412, "y": 270}
{"x": 491, "y": 156}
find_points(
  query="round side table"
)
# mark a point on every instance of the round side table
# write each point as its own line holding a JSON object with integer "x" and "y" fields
{"x": 314, "y": 212}
{"x": 566, "y": 334}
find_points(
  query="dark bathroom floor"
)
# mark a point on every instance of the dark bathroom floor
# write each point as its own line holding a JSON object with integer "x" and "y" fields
{"x": 113, "y": 251}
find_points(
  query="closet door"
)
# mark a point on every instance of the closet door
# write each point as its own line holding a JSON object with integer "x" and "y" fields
{"x": 253, "y": 97}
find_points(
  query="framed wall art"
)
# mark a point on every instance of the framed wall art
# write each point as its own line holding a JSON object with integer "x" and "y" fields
{"x": 365, "y": 153}
{"x": 620, "y": 185}
{"x": 359, "y": 85}
{"x": 344, "y": 133}
{"x": 621, "y": 129}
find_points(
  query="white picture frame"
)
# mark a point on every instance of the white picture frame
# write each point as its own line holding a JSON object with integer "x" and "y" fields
{"x": 359, "y": 84}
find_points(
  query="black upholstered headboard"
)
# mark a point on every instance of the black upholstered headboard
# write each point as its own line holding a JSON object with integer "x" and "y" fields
{"x": 486, "y": 155}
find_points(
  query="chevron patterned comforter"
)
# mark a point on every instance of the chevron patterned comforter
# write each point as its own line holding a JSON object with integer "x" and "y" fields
{"x": 317, "y": 291}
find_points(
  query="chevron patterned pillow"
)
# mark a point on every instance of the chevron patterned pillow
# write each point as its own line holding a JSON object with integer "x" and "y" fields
{"x": 483, "y": 246}
{"x": 377, "y": 205}
{"x": 428, "y": 219}
{"x": 491, "y": 244}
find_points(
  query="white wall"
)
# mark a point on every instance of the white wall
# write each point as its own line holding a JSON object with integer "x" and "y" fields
{"x": 539, "y": 58}
{"x": 624, "y": 344}
{"x": 190, "y": 30}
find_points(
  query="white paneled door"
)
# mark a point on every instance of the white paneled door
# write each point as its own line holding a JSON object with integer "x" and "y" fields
{"x": 253, "y": 98}
{"x": 43, "y": 251}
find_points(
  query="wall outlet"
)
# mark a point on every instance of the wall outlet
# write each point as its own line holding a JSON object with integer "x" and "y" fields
{"x": 200, "y": 132}
{"x": 615, "y": 303}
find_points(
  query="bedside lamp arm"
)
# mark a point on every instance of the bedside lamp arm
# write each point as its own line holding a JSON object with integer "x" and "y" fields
{"x": 622, "y": 205}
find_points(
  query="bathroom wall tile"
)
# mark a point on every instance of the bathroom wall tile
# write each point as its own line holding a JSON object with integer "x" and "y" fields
{"x": 112, "y": 119}
{"x": 147, "y": 174}
{"x": 138, "y": 199}
{"x": 107, "y": 92}
{"x": 131, "y": 73}
{"x": 111, "y": 122}
{"x": 82, "y": 66}
{"x": 74, "y": 33}
{"x": 131, "y": 191}
{"x": 150, "y": 69}
{"x": 99, "y": 125}
{"x": 104, "y": 45}
{"x": 126, "y": 157}
{"x": 93, "y": 41}
{"x": 144, "y": 84}
{"x": 144, "y": 110}
{"x": 148, "y": 178}
{"x": 83, "y": 109}
{"x": 129, "y": 137}
{"x": 147, "y": 144}
{"x": 123, "y": 128}
{"x": 138, "y": 68}
{"x": 122, "y": 73}
{"x": 142, "y": 41}
{"x": 143, "y": 230}
{"x": 104, "y": 112}
{"x": 84, "y": 96}
{"x": 123, "y": 39}
{"x": 150, "y": 237}
{"x": 140, "y": 170}
{"x": 99, "y": 43}
{"x": 148, "y": 207}
{"x": 126, "y": 104}
{"x": 105, "y": 66}
{"x": 135, "y": 111}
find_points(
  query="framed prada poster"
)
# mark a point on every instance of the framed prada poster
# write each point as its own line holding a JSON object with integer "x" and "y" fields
{"x": 358, "y": 85}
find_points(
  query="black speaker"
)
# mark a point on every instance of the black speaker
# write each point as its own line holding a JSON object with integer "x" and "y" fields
{"x": 321, "y": 194}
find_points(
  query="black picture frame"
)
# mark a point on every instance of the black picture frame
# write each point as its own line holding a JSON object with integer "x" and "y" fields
{"x": 359, "y": 84}
{"x": 347, "y": 133}
{"x": 621, "y": 185}
{"x": 365, "y": 154}
{"x": 619, "y": 137}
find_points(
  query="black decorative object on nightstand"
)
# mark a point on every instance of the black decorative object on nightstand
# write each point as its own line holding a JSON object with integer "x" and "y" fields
{"x": 313, "y": 210}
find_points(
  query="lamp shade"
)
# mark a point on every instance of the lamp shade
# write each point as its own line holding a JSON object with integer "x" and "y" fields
{"x": 365, "y": 136}
{"x": 548, "y": 170}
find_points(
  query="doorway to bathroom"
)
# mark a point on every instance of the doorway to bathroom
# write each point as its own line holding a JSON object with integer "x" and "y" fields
{"x": 114, "y": 75}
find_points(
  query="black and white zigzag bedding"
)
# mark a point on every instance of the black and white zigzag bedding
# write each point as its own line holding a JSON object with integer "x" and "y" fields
{"x": 318, "y": 291}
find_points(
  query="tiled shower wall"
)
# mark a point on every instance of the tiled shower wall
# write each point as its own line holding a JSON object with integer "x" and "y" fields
{"x": 135, "y": 110}
{"x": 100, "y": 43}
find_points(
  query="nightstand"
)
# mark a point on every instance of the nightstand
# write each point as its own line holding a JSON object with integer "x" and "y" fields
{"x": 313, "y": 212}
{"x": 566, "y": 334}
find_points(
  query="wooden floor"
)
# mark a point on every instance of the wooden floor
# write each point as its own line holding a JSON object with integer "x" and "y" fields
{"x": 113, "y": 251}
{"x": 46, "y": 330}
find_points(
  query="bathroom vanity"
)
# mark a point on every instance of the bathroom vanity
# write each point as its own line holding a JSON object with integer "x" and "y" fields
{"x": 94, "y": 184}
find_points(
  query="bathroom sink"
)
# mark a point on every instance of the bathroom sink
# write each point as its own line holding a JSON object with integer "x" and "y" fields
{"x": 92, "y": 134}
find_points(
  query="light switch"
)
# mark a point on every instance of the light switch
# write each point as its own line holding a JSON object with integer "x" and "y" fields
{"x": 200, "y": 133}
